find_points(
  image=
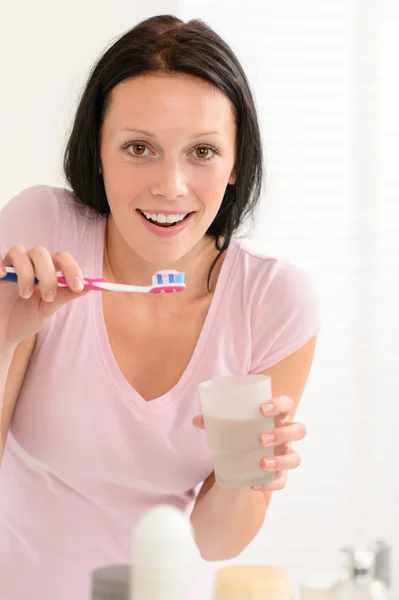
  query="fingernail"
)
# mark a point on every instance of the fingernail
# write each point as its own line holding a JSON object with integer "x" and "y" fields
{"x": 269, "y": 463}
{"x": 49, "y": 296}
{"x": 266, "y": 438}
{"x": 256, "y": 487}
{"x": 77, "y": 284}
{"x": 3, "y": 272}
{"x": 27, "y": 292}
{"x": 267, "y": 409}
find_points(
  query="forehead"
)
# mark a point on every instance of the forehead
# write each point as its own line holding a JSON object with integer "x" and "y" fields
{"x": 158, "y": 100}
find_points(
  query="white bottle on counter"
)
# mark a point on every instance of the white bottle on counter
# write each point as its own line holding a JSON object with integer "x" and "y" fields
{"x": 164, "y": 553}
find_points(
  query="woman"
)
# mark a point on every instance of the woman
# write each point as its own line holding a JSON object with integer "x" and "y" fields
{"x": 99, "y": 392}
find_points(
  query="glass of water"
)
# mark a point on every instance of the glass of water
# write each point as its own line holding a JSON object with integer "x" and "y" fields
{"x": 233, "y": 424}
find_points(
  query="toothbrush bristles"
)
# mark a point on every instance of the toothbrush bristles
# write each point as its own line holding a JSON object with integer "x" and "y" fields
{"x": 168, "y": 278}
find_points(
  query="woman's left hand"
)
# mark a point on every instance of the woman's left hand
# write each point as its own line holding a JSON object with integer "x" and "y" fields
{"x": 286, "y": 431}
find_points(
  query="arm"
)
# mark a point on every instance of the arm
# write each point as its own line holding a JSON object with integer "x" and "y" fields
{"x": 14, "y": 362}
{"x": 225, "y": 521}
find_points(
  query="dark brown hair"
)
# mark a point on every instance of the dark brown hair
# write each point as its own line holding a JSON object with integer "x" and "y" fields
{"x": 165, "y": 44}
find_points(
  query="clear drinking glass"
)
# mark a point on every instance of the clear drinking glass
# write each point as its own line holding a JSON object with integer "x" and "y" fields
{"x": 233, "y": 423}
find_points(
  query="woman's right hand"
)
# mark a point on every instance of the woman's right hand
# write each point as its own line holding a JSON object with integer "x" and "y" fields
{"x": 25, "y": 307}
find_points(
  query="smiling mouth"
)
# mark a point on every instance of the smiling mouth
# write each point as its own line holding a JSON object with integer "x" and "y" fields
{"x": 164, "y": 221}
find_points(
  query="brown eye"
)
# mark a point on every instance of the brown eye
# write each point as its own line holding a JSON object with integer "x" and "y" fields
{"x": 138, "y": 149}
{"x": 202, "y": 152}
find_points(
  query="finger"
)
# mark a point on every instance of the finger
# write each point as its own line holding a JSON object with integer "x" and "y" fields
{"x": 294, "y": 432}
{"x": 280, "y": 405}
{"x": 199, "y": 422}
{"x": 45, "y": 272}
{"x": 275, "y": 485}
{"x": 38, "y": 263}
{"x": 46, "y": 267}
{"x": 65, "y": 263}
{"x": 3, "y": 271}
{"x": 18, "y": 258}
{"x": 283, "y": 449}
{"x": 286, "y": 462}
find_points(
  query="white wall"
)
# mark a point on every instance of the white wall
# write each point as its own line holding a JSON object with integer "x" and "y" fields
{"x": 46, "y": 51}
{"x": 330, "y": 205}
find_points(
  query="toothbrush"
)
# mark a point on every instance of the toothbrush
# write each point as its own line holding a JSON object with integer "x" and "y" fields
{"x": 162, "y": 282}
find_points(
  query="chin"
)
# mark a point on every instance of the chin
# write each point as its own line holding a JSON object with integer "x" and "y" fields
{"x": 163, "y": 256}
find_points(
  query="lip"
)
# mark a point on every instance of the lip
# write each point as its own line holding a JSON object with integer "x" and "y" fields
{"x": 156, "y": 211}
{"x": 165, "y": 231}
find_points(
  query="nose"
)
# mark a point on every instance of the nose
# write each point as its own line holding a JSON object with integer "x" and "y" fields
{"x": 169, "y": 181}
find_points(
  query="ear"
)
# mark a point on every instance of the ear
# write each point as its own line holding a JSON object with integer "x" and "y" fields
{"x": 233, "y": 177}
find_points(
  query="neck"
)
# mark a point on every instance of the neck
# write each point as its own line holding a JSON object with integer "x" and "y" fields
{"x": 123, "y": 265}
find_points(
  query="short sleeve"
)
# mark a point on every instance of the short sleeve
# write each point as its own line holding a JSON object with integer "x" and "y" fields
{"x": 31, "y": 219}
{"x": 42, "y": 216}
{"x": 285, "y": 316}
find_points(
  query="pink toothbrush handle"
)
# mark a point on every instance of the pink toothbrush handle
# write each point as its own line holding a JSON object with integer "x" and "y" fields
{"x": 174, "y": 283}
{"x": 156, "y": 289}
{"x": 88, "y": 283}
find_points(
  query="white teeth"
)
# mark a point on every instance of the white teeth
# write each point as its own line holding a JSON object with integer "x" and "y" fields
{"x": 161, "y": 218}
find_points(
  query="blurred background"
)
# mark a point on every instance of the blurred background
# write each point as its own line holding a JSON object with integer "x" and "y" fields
{"x": 325, "y": 76}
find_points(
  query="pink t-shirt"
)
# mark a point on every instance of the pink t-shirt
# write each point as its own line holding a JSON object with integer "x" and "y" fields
{"x": 86, "y": 454}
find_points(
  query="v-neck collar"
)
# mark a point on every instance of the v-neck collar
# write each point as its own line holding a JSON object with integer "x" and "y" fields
{"x": 110, "y": 364}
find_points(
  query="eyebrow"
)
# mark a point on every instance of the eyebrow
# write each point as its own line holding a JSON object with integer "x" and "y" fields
{"x": 149, "y": 134}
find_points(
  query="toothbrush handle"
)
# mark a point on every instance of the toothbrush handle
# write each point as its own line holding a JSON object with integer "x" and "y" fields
{"x": 13, "y": 277}
{"x": 101, "y": 285}
{"x": 88, "y": 283}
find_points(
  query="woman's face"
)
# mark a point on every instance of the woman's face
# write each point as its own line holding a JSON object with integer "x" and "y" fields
{"x": 167, "y": 155}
